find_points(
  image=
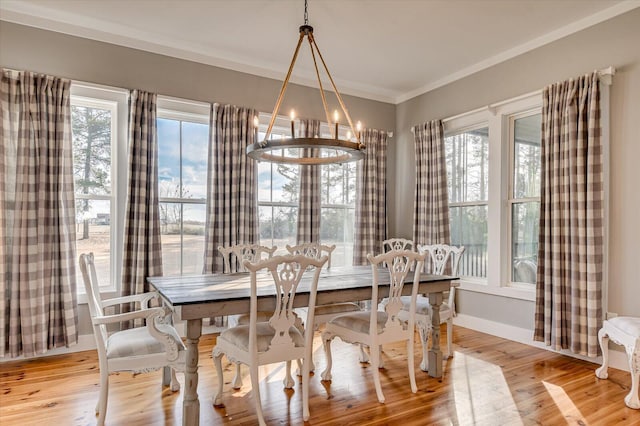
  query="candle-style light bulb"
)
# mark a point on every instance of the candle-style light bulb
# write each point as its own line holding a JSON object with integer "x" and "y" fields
{"x": 293, "y": 117}
{"x": 256, "y": 123}
{"x": 348, "y": 136}
{"x": 358, "y": 129}
{"x": 336, "y": 117}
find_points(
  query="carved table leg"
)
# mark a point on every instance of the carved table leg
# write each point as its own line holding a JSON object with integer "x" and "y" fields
{"x": 435, "y": 354}
{"x": 191, "y": 404}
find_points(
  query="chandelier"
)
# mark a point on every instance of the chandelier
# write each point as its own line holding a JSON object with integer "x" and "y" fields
{"x": 302, "y": 149}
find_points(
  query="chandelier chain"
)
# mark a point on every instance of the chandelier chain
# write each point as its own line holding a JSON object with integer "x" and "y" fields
{"x": 306, "y": 13}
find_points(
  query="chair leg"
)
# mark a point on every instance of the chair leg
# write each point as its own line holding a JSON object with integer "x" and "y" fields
{"x": 288, "y": 382}
{"x": 449, "y": 337}
{"x": 601, "y": 372}
{"x": 255, "y": 387}
{"x": 101, "y": 406}
{"x": 305, "y": 386}
{"x": 326, "y": 343}
{"x": 380, "y": 359}
{"x": 424, "y": 330}
{"x": 632, "y": 400}
{"x": 175, "y": 384}
{"x": 217, "y": 361}
{"x": 363, "y": 354}
{"x": 237, "y": 378}
{"x": 412, "y": 371}
{"x": 375, "y": 361}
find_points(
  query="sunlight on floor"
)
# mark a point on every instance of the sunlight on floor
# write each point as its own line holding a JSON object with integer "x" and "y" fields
{"x": 564, "y": 403}
{"x": 481, "y": 393}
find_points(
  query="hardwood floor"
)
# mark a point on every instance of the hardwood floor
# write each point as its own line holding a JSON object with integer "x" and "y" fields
{"x": 489, "y": 381}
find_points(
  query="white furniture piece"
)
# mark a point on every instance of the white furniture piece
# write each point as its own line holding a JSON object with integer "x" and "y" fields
{"x": 234, "y": 257}
{"x": 141, "y": 349}
{"x": 438, "y": 257}
{"x": 260, "y": 343}
{"x": 623, "y": 331}
{"x": 374, "y": 328}
{"x": 397, "y": 244}
{"x": 325, "y": 313}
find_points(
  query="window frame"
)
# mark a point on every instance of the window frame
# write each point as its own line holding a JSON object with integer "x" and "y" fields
{"x": 511, "y": 199}
{"x": 183, "y": 110}
{"x": 497, "y": 116}
{"x": 87, "y": 94}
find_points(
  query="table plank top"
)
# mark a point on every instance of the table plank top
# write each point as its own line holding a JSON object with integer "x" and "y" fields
{"x": 198, "y": 289}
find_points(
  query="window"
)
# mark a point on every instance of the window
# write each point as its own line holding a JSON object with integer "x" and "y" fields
{"x": 493, "y": 170}
{"x": 525, "y": 140}
{"x": 183, "y": 141}
{"x": 467, "y": 157}
{"x": 98, "y": 122}
{"x": 278, "y": 196}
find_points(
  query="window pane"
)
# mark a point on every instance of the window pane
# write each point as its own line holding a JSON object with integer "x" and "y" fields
{"x": 285, "y": 220}
{"x": 336, "y": 227}
{"x": 193, "y": 238}
{"x": 524, "y": 241}
{"x": 467, "y": 158}
{"x": 93, "y": 234}
{"x": 265, "y": 216}
{"x": 195, "y": 147}
{"x": 91, "y": 150}
{"x": 333, "y": 184}
{"x": 169, "y": 157}
{"x": 469, "y": 229}
{"x": 286, "y": 182}
{"x": 527, "y": 156}
{"x": 264, "y": 181}
{"x": 170, "y": 219}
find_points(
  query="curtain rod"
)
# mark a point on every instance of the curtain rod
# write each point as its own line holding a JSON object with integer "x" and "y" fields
{"x": 604, "y": 74}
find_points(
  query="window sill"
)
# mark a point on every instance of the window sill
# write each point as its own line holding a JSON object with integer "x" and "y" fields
{"x": 513, "y": 292}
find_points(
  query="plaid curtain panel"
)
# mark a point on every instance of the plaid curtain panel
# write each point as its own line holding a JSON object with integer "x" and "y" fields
{"x": 570, "y": 253}
{"x": 431, "y": 205}
{"x": 232, "y": 213}
{"x": 142, "y": 246}
{"x": 309, "y": 204}
{"x": 38, "y": 308}
{"x": 371, "y": 197}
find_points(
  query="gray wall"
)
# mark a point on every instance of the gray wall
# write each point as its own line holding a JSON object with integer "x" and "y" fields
{"x": 615, "y": 42}
{"x": 26, "y": 48}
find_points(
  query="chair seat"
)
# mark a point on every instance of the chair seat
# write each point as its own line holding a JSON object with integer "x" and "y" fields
{"x": 628, "y": 325}
{"x": 138, "y": 341}
{"x": 359, "y": 321}
{"x": 423, "y": 307}
{"x": 335, "y": 308}
{"x": 239, "y": 336}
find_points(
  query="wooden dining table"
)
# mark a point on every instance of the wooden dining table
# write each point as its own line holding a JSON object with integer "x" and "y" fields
{"x": 193, "y": 298}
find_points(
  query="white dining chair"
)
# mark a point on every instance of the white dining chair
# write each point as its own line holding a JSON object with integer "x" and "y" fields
{"x": 260, "y": 343}
{"x": 234, "y": 257}
{"x": 397, "y": 244}
{"x": 325, "y": 313}
{"x": 438, "y": 258}
{"x": 374, "y": 328}
{"x": 140, "y": 349}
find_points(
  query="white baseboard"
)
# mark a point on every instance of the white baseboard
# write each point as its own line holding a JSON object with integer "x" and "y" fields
{"x": 617, "y": 359}
{"x": 86, "y": 342}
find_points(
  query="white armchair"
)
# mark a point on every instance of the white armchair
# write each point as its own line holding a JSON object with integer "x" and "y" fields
{"x": 141, "y": 349}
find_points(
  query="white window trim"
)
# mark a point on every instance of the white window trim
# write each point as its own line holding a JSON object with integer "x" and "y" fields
{"x": 98, "y": 95}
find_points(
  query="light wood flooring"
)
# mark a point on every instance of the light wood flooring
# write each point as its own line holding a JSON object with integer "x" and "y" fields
{"x": 489, "y": 381}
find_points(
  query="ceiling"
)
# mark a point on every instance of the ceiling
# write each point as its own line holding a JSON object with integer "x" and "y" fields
{"x": 387, "y": 50}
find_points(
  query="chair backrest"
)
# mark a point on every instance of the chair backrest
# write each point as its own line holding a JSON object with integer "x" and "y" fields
{"x": 234, "y": 256}
{"x": 286, "y": 272}
{"x": 399, "y": 263}
{"x": 315, "y": 250}
{"x": 439, "y": 257}
{"x": 91, "y": 286}
{"x": 397, "y": 244}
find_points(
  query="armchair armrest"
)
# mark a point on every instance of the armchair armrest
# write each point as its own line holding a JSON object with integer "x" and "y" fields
{"x": 127, "y": 316}
{"x": 143, "y": 298}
